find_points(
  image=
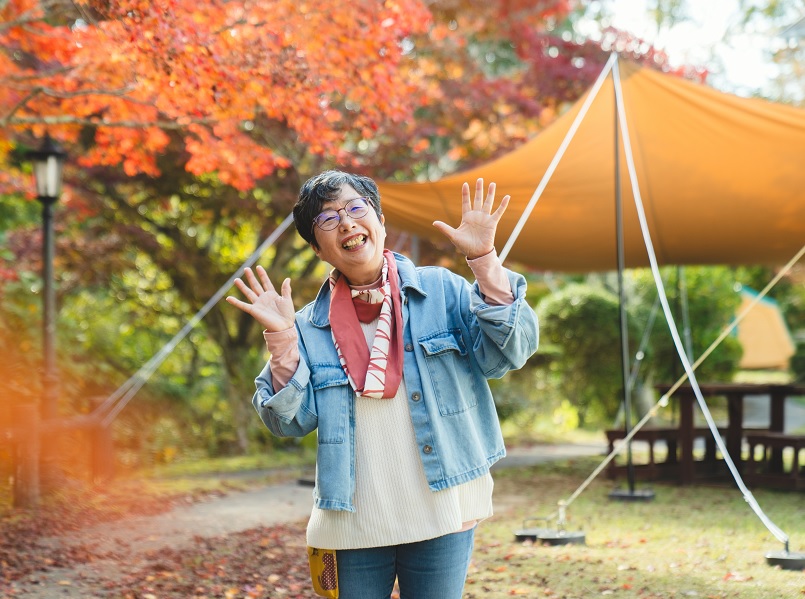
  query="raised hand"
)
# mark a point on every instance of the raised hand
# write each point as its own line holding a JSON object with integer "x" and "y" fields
{"x": 475, "y": 236}
{"x": 272, "y": 310}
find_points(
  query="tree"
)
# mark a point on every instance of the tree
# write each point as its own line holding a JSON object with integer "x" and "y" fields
{"x": 192, "y": 126}
{"x": 228, "y": 92}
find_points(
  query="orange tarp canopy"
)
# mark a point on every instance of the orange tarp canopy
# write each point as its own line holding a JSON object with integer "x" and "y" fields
{"x": 722, "y": 179}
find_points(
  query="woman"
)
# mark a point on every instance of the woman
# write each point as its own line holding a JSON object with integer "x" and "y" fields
{"x": 390, "y": 365}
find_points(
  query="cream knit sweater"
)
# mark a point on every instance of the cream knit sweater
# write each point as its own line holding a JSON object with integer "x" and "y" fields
{"x": 393, "y": 503}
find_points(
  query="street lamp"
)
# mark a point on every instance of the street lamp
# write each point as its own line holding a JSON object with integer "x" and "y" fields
{"x": 48, "y": 163}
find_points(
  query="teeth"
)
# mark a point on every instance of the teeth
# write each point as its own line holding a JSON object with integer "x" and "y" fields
{"x": 356, "y": 241}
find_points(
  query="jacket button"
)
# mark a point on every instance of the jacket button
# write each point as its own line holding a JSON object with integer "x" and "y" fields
{"x": 427, "y": 449}
{"x": 416, "y": 396}
{"x": 409, "y": 347}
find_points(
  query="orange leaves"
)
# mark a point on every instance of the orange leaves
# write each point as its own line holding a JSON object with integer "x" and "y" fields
{"x": 236, "y": 159}
{"x": 420, "y": 146}
{"x": 119, "y": 146}
{"x": 170, "y": 63}
{"x": 244, "y": 82}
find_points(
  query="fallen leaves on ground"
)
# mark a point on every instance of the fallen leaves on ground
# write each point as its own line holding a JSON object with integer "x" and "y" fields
{"x": 258, "y": 563}
{"x": 24, "y": 548}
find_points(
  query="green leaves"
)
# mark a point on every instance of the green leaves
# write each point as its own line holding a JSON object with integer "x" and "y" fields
{"x": 583, "y": 322}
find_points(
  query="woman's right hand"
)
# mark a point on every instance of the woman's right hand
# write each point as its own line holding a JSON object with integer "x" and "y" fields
{"x": 274, "y": 311}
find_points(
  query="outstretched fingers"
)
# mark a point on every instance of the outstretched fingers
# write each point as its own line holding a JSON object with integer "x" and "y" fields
{"x": 466, "y": 205}
{"x": 481, "y": 202}
{"x": 504, "y": 203}
{"x": 265, "y": 282}
{"x": 272, "y": 310}
{"x": 479, "y": 194}
{"x": 254, "y": 284}
{"x": 245, "y": 290}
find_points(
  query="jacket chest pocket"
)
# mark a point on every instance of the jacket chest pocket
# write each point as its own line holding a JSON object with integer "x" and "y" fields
{"x": 333, "y": 399}
{"x": 450, "y": 371}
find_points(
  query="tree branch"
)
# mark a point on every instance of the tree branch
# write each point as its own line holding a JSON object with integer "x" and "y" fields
{"x": 20, "y": 104}
{"x": 44, "y": 74}
{"x": 89, "y": 92}
{"x": 126, "y": 124}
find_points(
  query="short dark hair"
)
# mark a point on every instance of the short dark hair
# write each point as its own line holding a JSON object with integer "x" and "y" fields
{"x": 323, "y": 188}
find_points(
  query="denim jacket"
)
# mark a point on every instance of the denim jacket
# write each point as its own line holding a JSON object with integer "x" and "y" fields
{"x": 453, "y": 342}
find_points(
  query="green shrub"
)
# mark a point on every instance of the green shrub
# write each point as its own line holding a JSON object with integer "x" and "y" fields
{"x": 583, "y": 322}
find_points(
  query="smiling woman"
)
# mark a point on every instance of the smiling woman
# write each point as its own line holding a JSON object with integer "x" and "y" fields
{"x": 389, "y": 365}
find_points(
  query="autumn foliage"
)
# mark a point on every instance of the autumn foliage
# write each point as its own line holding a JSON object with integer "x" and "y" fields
{"x": 244, "y": 88}
{"x": 190, "y": 126}
{"x": 132, "y": 70}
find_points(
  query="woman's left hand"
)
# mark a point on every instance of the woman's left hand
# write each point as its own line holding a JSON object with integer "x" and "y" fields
{"x": 475, "y": 236}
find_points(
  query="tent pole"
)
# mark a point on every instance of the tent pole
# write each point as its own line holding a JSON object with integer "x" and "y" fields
{"x": 686, "y": 331}
{"x": 631, "y": 494}
{"x": 624, "y": 332}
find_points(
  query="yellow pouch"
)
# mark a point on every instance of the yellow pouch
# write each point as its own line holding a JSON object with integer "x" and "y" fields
{"x": 323, "y": 572}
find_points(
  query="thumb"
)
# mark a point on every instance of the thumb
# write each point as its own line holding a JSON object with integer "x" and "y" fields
{"x": 286, "y": 289}
{"x": 444, "y": 229}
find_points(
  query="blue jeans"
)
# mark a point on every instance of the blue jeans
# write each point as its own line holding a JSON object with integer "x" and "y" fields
{"x": 432, "y": 569}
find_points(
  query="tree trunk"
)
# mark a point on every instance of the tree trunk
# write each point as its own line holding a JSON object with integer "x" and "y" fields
{"x": 239, "y": 395}
{"x": 26, "y": 456}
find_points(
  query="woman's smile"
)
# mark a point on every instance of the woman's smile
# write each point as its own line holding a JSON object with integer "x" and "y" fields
{"x": 354, "y": 242}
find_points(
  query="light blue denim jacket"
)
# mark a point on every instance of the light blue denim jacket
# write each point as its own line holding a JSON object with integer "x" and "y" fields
{"x": 453, "y": 342}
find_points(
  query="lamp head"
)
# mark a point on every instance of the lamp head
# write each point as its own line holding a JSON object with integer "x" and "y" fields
{"x": 48, "y": 164}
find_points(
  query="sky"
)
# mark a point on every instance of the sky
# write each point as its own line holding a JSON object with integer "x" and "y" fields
{"x": 712, "y": 36}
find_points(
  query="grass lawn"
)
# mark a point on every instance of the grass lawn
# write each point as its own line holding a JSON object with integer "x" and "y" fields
{"x": 688, "y": 542}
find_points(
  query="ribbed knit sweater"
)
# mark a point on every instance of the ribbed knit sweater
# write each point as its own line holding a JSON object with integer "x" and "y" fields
{"x": 393, "y": 503}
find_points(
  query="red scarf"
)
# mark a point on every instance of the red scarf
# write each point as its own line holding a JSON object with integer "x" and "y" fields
{"x": 376, "y": 371}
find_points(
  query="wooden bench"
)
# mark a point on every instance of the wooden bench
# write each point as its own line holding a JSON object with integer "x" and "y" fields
{"x": 769, "y": 468}
{"x": 653, "y": 435}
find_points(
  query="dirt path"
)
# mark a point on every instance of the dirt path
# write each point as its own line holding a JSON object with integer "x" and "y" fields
{"x": 125, "y": 544}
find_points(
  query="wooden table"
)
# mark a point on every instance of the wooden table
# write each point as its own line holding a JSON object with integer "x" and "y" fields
{"x": 734, "y": 394}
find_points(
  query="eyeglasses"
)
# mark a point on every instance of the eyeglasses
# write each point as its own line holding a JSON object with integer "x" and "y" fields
{"x": 327, "y": 220}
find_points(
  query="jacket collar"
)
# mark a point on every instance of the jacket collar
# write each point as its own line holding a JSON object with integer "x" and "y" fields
{"x": 409, "y": 279}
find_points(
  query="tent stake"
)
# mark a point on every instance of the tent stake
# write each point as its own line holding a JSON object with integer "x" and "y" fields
{"x": 785, "y": 559}
{"x": 551, "y": 536}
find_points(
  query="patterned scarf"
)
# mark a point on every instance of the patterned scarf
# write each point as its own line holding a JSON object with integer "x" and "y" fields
{"x": 377, "y": 371}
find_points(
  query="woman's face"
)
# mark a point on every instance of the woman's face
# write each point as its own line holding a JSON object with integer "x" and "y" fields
{"x": 354, "y": 247}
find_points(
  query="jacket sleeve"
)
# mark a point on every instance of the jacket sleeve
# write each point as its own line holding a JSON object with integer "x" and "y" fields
{"x": 290, "y": 411}
{"x": 503, "y": 337}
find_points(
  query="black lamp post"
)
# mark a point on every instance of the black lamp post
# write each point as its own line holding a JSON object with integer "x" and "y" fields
{"x": 48, "y": 162}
